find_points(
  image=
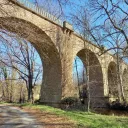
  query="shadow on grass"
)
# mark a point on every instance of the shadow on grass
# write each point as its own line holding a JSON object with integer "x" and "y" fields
{"x": 85, "y": 119}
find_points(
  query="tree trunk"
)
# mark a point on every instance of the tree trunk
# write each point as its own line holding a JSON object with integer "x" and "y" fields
{"x": 77, "y": 77}
{"x": 30, "y": 91}
{"x": 30, "y": 94}
{"x": 88, "y": 86}
{"x": 3, "y": 93}
{"x": 119, "y": 83}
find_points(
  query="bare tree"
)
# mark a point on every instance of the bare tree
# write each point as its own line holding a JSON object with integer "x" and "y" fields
{"x": 104, "y": 22}
{"x": 4, "y": 76}
{"x": 50, "y": 5}
{"x": 7, "y": 83}
{"x": 101, "y": 20}
{"x": 21, "y": 56}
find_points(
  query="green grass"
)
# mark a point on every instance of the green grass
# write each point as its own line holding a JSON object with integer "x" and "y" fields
{"x": 85, "y": 119}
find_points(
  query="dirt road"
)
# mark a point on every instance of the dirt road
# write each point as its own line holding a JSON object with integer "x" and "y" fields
{"x": 11, "y": 117}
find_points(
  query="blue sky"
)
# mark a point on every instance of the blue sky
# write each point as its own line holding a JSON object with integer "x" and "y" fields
{"x": 74, "y": 5}
{"x": 67, "y": 10}
{"x": 38, "y": 60}
{"x": 7, "y": 46}
{"x": 78, "y": 66}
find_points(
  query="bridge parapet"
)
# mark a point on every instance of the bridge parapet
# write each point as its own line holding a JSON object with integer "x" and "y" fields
{"x": 39, "y": 11}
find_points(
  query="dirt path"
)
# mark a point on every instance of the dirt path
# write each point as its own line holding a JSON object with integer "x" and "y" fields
{"x": 51, "y": 120}
{"x": 14, "y": 117}
{"x": 11, "y": 117}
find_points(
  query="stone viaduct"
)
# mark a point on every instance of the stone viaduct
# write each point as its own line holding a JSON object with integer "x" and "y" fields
{"x": 58, "y": 45}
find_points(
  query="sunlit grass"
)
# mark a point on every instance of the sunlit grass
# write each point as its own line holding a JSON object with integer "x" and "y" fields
{"x": 85, "y": 119}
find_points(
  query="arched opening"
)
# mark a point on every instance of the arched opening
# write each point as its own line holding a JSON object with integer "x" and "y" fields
{"x": 51, "y": 88}
{"x": 20, "y": 69}
{"x": 112, "y": 81}
{"x": 93, "y": 76}
{"x": 125, "y": 83}
{"x": 79, "y": 77}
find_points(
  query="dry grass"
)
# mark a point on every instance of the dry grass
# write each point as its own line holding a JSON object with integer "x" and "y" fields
{"x": 50, "y": 120}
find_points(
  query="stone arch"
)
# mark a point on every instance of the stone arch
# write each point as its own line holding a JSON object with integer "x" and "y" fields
{"x": 112, "y": 80}
{"x": 125, "y": 83}
{"x": 91, "y": 61}
{"x": 51, "y": 90}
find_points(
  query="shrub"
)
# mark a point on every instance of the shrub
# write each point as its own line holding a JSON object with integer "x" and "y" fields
{"x": 116, "y": 105}
{"x": 37, "y": 101}
{"x": 69, "y": 101}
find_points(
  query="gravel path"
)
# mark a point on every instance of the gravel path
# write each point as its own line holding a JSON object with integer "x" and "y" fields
{"x": 13, "y": 117}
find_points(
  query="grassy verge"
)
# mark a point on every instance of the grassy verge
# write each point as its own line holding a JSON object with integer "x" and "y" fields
{"x": 85, "y": 119}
